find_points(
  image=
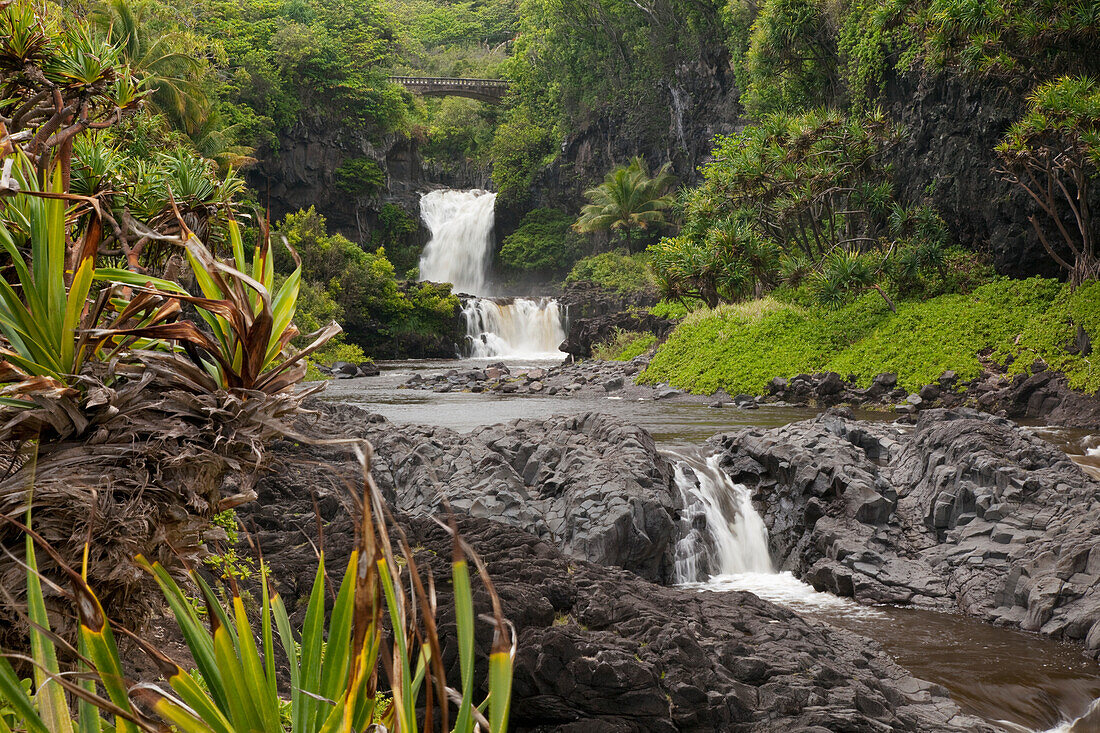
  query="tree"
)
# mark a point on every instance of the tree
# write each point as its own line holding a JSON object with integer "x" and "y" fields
{"x": 1053, "y": 154}
{"x": 796, "y": 197}
{"x": 629, "y": 200}
{"x": 166, "y": 63}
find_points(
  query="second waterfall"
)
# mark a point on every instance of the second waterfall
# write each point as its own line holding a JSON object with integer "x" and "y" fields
{"x": 459, "y": 252}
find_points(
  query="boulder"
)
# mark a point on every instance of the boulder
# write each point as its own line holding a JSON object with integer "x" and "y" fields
{"x": 601, "y": 649}
{"x": 965, "y": 512}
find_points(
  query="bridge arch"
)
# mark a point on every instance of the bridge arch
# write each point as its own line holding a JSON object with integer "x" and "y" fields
{"x": 483, "y": 90}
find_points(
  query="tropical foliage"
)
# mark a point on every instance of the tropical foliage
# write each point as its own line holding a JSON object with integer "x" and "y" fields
{"x": 374, "y": 307}
{"x": 629, "y": 201}
{"x": 616, "y": 270}
{"x": 1053, "y": 154}
{"x": 334, "y": 667}
{"x": 798, "y": 198}
{"x": 742, "y": 346}
{"x": 543, "y": 243}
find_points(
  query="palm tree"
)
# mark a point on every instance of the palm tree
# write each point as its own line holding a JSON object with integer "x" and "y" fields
{"x": 629, "y": 200}
{"x": 166, "y": 63}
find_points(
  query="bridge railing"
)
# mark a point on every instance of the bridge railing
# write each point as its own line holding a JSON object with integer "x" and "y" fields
{"x": 449, "y": 81}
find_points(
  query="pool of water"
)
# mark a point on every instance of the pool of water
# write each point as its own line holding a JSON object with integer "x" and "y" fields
{"x": 1020, "y": 680}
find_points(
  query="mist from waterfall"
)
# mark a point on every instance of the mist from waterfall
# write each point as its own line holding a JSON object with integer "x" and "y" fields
{"x": 461, "y": 225}
{"x": 459, "y": 252}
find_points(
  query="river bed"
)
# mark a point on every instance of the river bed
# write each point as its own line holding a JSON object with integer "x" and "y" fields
{"x": 1020, "y": 680}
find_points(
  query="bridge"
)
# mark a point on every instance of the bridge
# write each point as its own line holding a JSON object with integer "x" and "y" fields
{"x": 483, "y": 90}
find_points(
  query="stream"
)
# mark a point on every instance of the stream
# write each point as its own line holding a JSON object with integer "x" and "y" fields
{"x": 1019, "y": 681}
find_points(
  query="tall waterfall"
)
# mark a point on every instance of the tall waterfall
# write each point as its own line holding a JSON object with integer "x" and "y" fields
{"x": 721, "y": 532}
{"x": 459, "y": 251}
{"x": 461, "y": 223}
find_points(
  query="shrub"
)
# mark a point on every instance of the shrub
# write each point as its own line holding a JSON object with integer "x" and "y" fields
{"x": 543, "y": 242}
{"x": 363, "y": 285}
{"x": 616, "y": 270}
{"x": 624, "y": 346}
{"x": 360, "y": 177}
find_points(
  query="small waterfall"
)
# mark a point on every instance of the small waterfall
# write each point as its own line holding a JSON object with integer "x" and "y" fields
{"x": 461, "y": 225}
{"x": 518, "y": 327}
{"x": 721, "y": 532}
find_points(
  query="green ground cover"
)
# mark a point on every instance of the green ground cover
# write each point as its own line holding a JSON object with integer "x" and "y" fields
{"x": 740, "y": 347}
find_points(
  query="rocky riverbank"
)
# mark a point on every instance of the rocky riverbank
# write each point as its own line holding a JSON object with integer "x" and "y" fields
{"x": 1042, "y": 395}
{"x": 601, "y": 647}
{"x": 964, "y": 512}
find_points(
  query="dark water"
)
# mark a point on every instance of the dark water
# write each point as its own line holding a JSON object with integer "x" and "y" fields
{"x": 1021, "y": 680}
{"x": 996, "y": 674}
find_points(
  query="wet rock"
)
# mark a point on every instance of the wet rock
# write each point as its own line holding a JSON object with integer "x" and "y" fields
{"x": 613, "y": 384}
{"x": 592, "y": 484}
{"x": 602, "y": 649}
{"x": 343, "y": 368}
{"x": 930, "y": 392}
{"x": 665, "y": 393}
{"x": 967, "y": 511}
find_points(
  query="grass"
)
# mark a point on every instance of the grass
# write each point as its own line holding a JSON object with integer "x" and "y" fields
{"x": 741, "y": 347}
{"x": 624, "y": 346}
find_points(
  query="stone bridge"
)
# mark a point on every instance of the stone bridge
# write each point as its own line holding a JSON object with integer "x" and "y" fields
{"x": 484, "y": 90}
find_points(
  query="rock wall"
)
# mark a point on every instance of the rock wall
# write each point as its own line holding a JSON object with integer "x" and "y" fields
{"x": 302, "y": 173}
{"x": 967, "y": 512}
{"x": 947, "y": 158}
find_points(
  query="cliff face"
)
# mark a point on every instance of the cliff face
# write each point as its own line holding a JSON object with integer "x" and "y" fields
{"x": 698, "y": 102}
{"x": 302, "y": 173}
{"x": 947, "y": 157}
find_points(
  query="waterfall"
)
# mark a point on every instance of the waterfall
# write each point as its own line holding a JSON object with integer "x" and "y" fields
{"x": 459, "y": 251}
{"x": 461, "y": 225}
{"x": 520, "y": 327}
{"x": 721, "y": 532}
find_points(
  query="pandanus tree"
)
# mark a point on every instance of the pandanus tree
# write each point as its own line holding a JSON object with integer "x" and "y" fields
{"x": 132, "y": 411}
{"x": 628, "y": 201}
{"x": 1053, "y": 155}
{"x": 62, "y": 81}
{"x": 797, "y": 197}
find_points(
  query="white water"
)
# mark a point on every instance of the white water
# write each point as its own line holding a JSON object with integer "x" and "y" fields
{"x": 523, "y": 328}
{"x": 459, "y": 252}
{"x": 724, "y": 547}
{"x": 724, "y": 544}
{"x": 461, "y": 225}
{"x": 721, "y": 531}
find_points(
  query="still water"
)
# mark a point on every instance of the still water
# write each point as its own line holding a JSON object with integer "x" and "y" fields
{"x": 1018, "y": 680}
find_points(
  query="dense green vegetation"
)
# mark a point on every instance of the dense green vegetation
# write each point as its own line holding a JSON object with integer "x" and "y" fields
{"x": 359, "y": 288}
{"x": 616, "y": 270}
{"x": 624, "y": 346}
{"x": 543, "y": 243}
{"x": 1010, "y": 323}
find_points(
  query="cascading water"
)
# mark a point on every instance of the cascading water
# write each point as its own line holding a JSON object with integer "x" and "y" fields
{"x": 721, "y": 532}
{"x": 461, "y": 226}
{"x": 520, "y": 328}
{"x": 724, "y": 546}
